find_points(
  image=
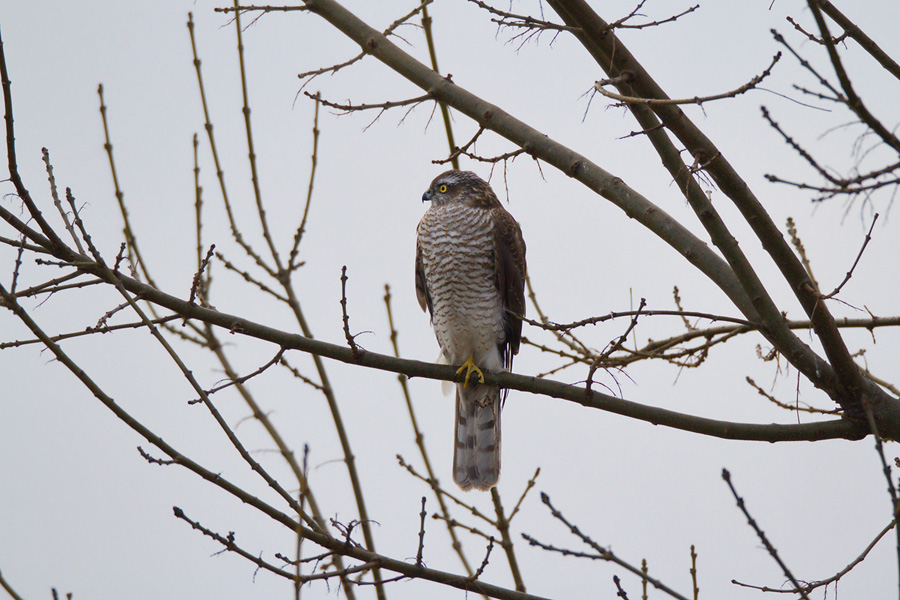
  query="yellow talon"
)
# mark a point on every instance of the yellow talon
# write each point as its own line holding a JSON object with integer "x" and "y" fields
{"x": 468, "y": 367}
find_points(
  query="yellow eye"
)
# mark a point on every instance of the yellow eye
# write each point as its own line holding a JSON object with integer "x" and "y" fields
{"x": 443, "y": 188}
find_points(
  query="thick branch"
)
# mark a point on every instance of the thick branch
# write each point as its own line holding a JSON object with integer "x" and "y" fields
{"x": 593, "y": 399}
{"x": 539, "y": 146}
{"x": 615, "y": 59}
{"x": 841, "y": 379}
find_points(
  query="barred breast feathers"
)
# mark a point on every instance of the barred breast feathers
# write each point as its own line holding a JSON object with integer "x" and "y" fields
{"x": 457, "y": 246}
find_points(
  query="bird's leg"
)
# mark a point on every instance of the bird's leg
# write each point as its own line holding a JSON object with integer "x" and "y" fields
{"x": 468, "y": 367}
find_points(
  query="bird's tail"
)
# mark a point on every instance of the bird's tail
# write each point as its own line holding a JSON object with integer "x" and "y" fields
{"x": 476, "y": 454}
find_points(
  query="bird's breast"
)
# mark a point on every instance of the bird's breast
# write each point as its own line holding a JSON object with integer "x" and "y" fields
{"x": 458, "y": 259}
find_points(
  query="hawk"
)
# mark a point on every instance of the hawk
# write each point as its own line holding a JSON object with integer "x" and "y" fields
{"x": 470, "y": 276}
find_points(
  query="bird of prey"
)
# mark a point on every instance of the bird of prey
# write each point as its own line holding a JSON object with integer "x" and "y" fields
{"x": 470, "y": 276}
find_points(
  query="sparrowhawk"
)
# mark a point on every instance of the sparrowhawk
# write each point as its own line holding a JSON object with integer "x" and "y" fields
{"x": 470, "y": 276}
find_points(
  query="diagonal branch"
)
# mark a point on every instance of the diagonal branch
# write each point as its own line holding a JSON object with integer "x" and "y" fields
{"x": 12, "y": 163}
{"x": 726, "y": 475}
{"x": 854, "y": 102}
{"x": 614, "y": 57}
{"x": 539, "y": 146}
{"x": 230, "y": 546}
{"x": 855, "y": 262}
{"x": 867, "y": 43}
{"x": 602, "y": 553}
{"x": 840, "y": 377}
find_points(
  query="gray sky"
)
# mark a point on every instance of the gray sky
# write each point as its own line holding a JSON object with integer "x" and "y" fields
{"x": 81, "y": 511}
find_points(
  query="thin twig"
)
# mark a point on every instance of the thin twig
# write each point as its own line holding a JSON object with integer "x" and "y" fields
{"x": 455, "y": 151}
{"x": 552, "y": 326}
{"x": 220, "y": 173}
{"x": 815, "y": 39}
{"x": 508, "y": 19}
{"x": 302, "y": 500}
{"x": 699, "y": 100}
{"x": 693, "y": 572}
{"x": 89, "y": 331}
{"x": 243, "y": 379}
{"x": 886, "y": 469}
{"x": 469, "y": 507}
{"x": 197, "y": 281}
{"x": 261, "y": 8}
{"x": 130, "y": 238}
{"x": 445, "y": 112}
{"x": 202, "y": 285}
{"x": 57, "y": 202}
{"x": 301, "y": 228}
{"x": 855, "y": 262}
{"x": 615, "y": 345}
{"x": 296, "y": 373}
{"x": 351, "y": 341}
{"x": 20, "y": 243}
{"x": 54, "y": 285}
{"x": 602, "y": 553}
{"x": 382, "y": 106}
{"x": 502, "y": 525}
{"x": 776, "y": 402}
{"x": 801, "y": 250}
{"x": 854, "y": 102}
{"x": 762, "y": 536}
{"x": 387, "y": 32}
{"x": 251, "y": 152}
{"x": 484, "y": 563}
{"x": 229, "y": 545}
{"x": 342, "y": 573}
{"x": 13, "y": 167}
{"x": 421, "y": 547}
{"x": 834, "y": 578}
{"x": 528, "y": 486}
{"x": 250, "y": 278}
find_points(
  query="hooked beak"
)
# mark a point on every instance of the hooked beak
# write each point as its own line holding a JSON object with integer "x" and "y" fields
{"x": 426, "y": 197}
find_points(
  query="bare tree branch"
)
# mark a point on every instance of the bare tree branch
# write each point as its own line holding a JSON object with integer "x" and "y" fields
{"x": 755, "y": 81}
{"x": 867, "y": 44}
{"x": 834, "y": 578}
{"x": 763, "y": 538}
{"x": 839, "y": 377}
{"x": 854, "y": 102}
{"x": 601, "y": 552}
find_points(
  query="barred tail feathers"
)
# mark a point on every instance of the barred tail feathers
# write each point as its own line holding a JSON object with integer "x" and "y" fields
{"x": 476, "y": 453}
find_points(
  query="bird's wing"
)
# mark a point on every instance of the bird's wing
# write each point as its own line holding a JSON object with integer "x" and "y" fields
{"x": 509, "y": 266}
{"x": 421, "y": 285}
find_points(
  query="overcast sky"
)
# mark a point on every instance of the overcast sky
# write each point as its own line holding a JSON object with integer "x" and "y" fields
{"x": 81, "y": 511}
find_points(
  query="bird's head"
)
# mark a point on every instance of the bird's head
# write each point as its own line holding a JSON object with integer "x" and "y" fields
{"x": 453, "y": 185}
